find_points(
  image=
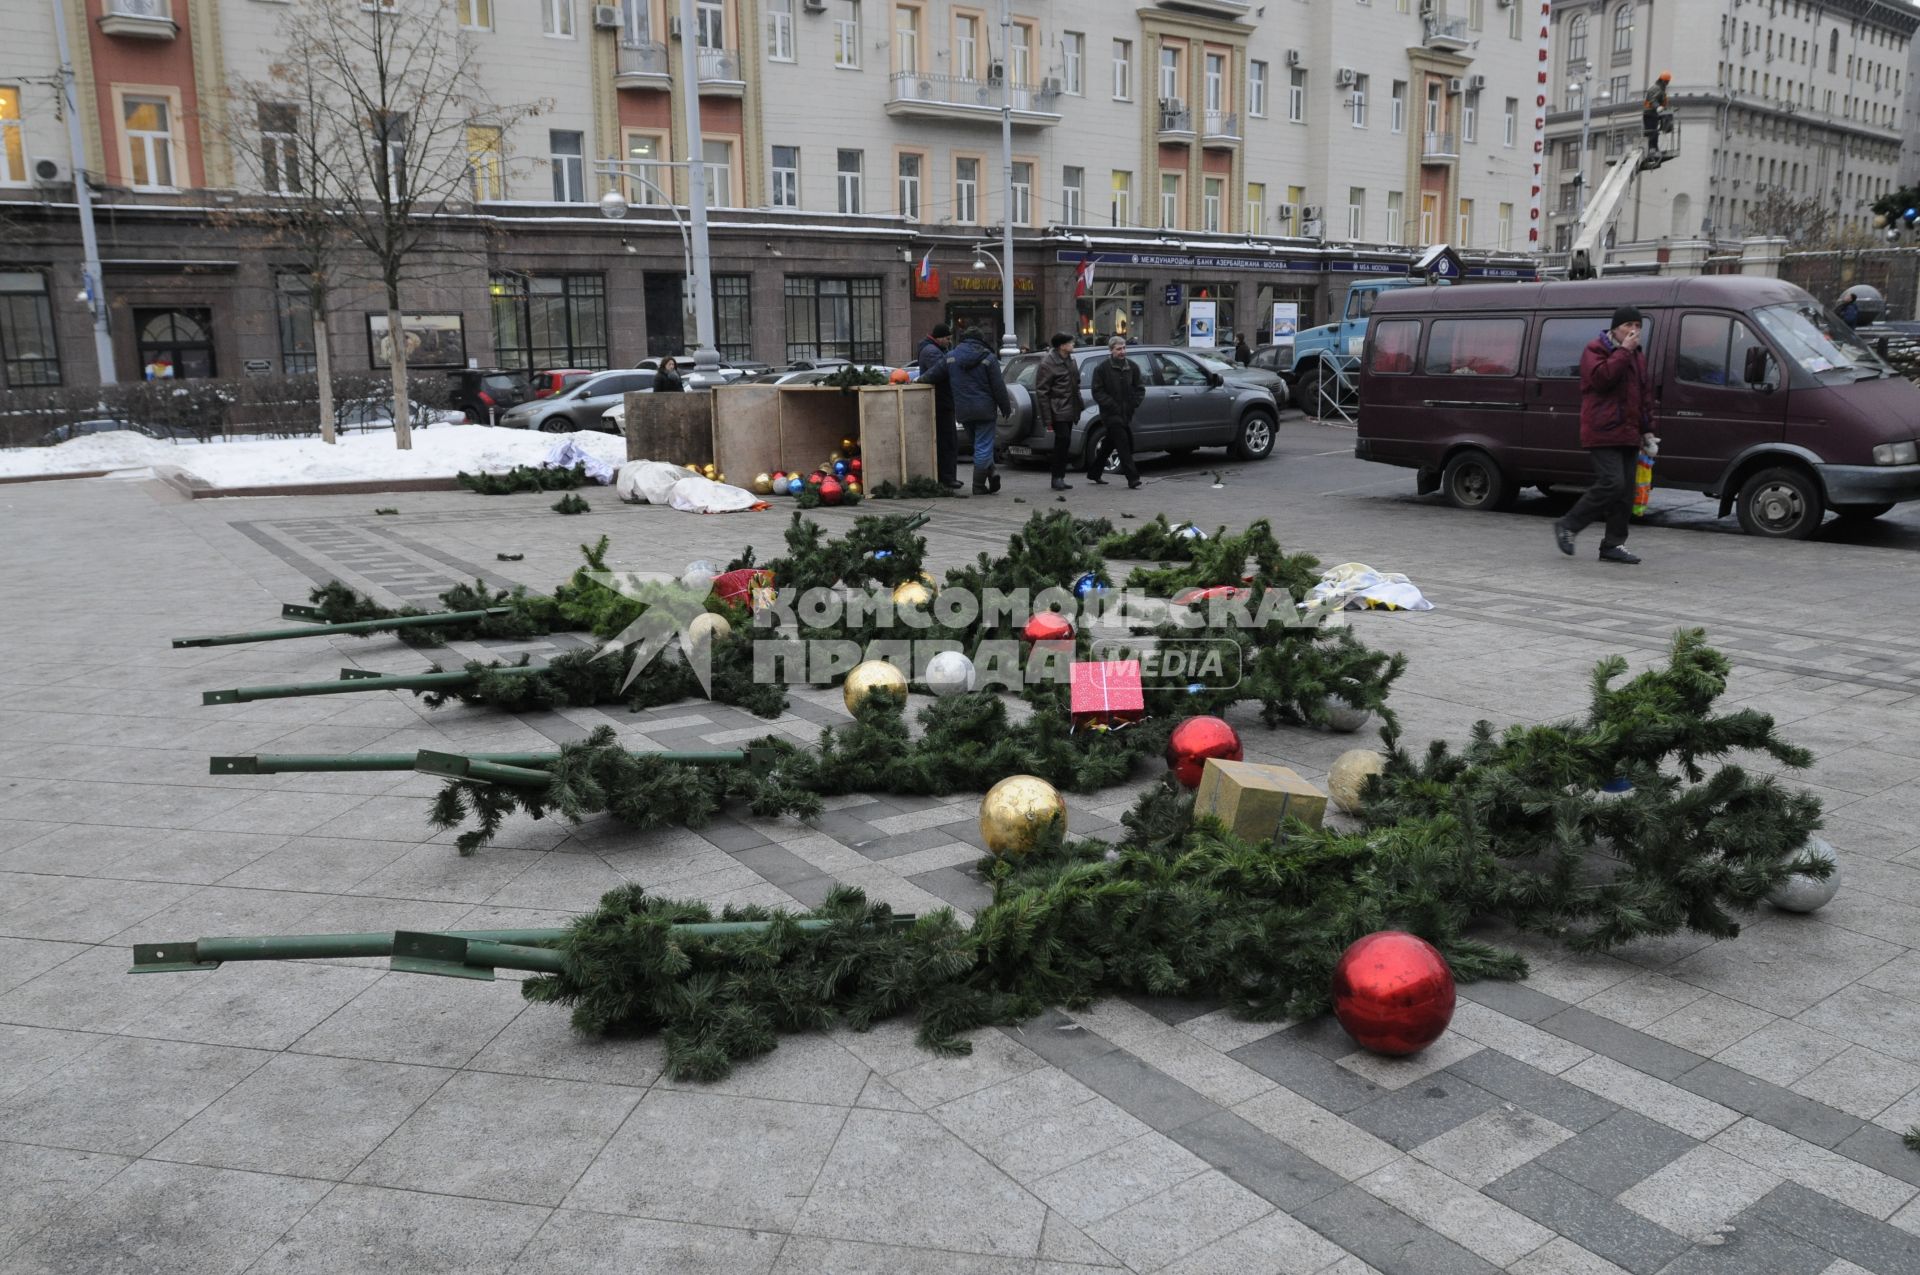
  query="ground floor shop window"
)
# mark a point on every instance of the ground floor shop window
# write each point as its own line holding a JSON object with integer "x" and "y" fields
{"x": 175, "y": 344}
{"x": 550, "y": 321}
{"x": 294, "y": 305}
{"x": 1260, "y": 322}
{"x": 27, "y": 345}
{"x": 1112, "y": 307}
{"x": 834, "y": 318}
{"x": 1221, "y": 294}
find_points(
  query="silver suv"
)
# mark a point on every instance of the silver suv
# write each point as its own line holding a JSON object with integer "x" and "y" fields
{"x": 580, "y": 407}
{"x": 1186, "y": 407}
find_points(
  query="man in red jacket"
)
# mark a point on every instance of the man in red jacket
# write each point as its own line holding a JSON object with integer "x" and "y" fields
{"x": 1616, "y": 414}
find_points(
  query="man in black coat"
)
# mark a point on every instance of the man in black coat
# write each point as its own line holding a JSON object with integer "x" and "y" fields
{"x": 932, "y": 353}
{"x": 1119, "y": 391}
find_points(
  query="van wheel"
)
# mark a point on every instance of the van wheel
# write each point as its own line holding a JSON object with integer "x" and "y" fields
{"x": 1472, "y": 480}
{"x": 1860, "y": 513}
{"x": 1781, "y": 503}
{"x": 1256, "y": 437}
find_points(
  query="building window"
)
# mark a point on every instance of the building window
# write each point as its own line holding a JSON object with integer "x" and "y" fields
{"x": 1215, "y": 83}
{"x": 710, "y": 24}
{"x": 486, "y": 164}
{"x": 175, "y": 344}
{"x": 293, "y": 303}
{"x": 1396, "y": 216}
{"x": 28, "y": 354}
{"x": 733, "y": 316}
{"x": 636, "y": 24}
{"x": 1170, "y": 201}
{"x": 13, "y": 147}
{"x": 1290, "y": 211}
{"x": 1510, "y": 122}
{"x": 1433, "y": 106}
{"x": 149, "y": 133}
{"x": 1122, "y": 202}
{"x": 834, "y": 318}
{"x": 390, "y": 132}
{"x": 475, "y": 15}
{"x": 1073, "y": 184}
{"x": 1576, "y": 39}
{"x": 645, "y": 153}
{"x": 966, "y": 46}
{"x": 846, "y": 35}
{"x": 1504, "y": 230}
{"x": 1256, "y": 208}
{"x": 556, "y": 18}
{"x": 280, "y": 148}
{"x": 1123, "y": 70}
{"x": 1398, "y": 110}
{"x": 1618, "y": 90}
{"x": 543, "y": 321}
{"x": 1296, "y": 96}
{"x": 1170, "y": 73}
{"x": 1476, "y": 14}
{"x": 1021, "y": 192}
{"x": 569, "y": 166}
{"x": 719, "y": 157}
{"x": 1623, "y": 31}
{"x": 1513, "y": 21}
{"x": 1020, "y": 55}
{"x": 1257, "y": 89}
{"x": 786, "y": 177}
{"x": 780, "y": 30}
{"x": 1073, "y": 61}
{"x": 1358, "y": 102}
{"x": 1463, "y": 224}
{"x": 966, "y": 192}
{"x": 908, "y": 186}
{"x": 1576, "y": 93}
{"x": 851, "y": 168}
{"x": 1469, "y": 116}
{"x": 1356, "y": 213}
{"x": 1212, "y": 195}
{"x": 906, "y": 38}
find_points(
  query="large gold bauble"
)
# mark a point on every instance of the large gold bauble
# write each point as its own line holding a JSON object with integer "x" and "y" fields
{"x": 707, "y": 627}
{"x": 1017, "y": 810}
{"x": 1349, "y": 776}
{"x": 763, "y": 484}
{"x": 911, "y": 593}
{"x": 873, "y": 677}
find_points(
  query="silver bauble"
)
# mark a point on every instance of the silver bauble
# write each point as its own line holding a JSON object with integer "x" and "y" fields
{"x": 1344, "y": 720}
{"x": 1802, "y": 893}
{"x": 699, "y": 575}
{"x": 949, "y": 673}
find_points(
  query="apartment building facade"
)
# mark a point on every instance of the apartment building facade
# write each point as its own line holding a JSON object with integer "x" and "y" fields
{"x": 1798, "y": 99}
{"x": 1223, "y": 150}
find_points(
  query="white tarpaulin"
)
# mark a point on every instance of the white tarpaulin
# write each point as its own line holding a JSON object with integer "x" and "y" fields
{"x": 1355, "y": 586}
{"x": 696, "y": 495}
{"x": 648, "y": 481}
{"x": 571, "y": 453}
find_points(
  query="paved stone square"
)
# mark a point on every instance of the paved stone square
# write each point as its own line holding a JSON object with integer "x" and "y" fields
{"x": 1679, "y": 1106}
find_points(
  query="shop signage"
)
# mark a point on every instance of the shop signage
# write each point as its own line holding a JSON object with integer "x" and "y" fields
{"x": 1347, "y": 265}
{"x": 988, "y": 283}
{"x": 1173, "y": 294}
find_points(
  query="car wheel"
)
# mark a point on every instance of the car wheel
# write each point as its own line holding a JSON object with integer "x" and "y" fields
{"x": 556, "y": 424}
{"x": 1781, "y": 503}
{"x": 1094, "y": 438}
{"x": 1256, "y": 437}
{"x": 1860, "y": 513}
{"x": 1472, "y": 480}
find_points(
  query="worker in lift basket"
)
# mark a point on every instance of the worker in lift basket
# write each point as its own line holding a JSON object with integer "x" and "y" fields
{"x": 1652, "y": 107}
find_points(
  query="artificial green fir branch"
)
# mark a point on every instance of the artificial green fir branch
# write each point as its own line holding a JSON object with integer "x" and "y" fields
{"x": 524, "y": 478}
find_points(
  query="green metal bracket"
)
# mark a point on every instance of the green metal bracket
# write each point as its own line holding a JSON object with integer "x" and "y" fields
{"x": 300, "y": 611}
{"x": 479, "y": 770}
{"x": 354, "y": 674}
{"x": 417, "y": 953}
{"x": 168, "y": 958}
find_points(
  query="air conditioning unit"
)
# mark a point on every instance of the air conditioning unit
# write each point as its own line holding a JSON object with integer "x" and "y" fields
{"x": 1310, "y": 212}
{"x": 606, "y": 17}
{"x": 673, "y": 28}
{"x": 1476, "y": 82}
{"x": 1051, "y": 86}
{"x": 1345, "y": 78}
{"x": 814, "y": 6}
{"x": 49, "y": 172}
{"x": 1455, "y": 85}
{"x": 1296, "y": 58}
{"x": 1285, "y": 212}
{"x": 996, "y": 71}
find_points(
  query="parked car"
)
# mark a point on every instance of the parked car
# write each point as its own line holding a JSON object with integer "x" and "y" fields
{"x": 1766, "y": 399}
{"x": 485, "y": 394}
{"x": 730, "y": 370}
{"x": 378, "y": 414}
{"x": 1277, "y": 359}
{"x": 558, "y": 380}
{"x": 581, "y": 407}
{"x": 1187, "y": 406}
{"x": 80, "y": 429}
{"x": 1259, "y": 377}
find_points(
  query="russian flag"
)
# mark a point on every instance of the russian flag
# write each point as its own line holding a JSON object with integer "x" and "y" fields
{"x": 926, "y": 266}
{"x": 1083, "y": 278}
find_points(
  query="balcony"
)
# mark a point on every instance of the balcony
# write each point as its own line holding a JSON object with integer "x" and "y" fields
{"x": 720, "y": 72}
{"x": 958, "y": 97}
{"x": 1229, "y": 9}
{"x": 1440, "y": 148}
{"x": 1446, "y": 33}
{"x": 641, "y": 64}
{"x": 1221, "y": 128}
{"x": 141, "y": 19}
{"x": 1176, "y": 121}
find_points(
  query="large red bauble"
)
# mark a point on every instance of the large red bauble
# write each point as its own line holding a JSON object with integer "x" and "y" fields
{"x": 1047, "y": 626}
{"x": 830, "y": 491}
{"x": 1393, "y": 992}
{"x": 1195, "y": 740}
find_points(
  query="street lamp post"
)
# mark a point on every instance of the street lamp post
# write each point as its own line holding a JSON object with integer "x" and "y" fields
{"x": 705, "y": 357}
{"x": 1586, "y": 128}
{"x": 1009, "y": 343}
{"x": 94, "y": 292}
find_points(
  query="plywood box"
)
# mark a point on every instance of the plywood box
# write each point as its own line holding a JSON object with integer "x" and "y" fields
{"x": 1254, "y": 800}
{"x": 757, "y": 429}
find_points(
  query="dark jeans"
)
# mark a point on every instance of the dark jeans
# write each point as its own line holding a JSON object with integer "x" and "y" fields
{"x": 1610, "y": 497}
{"x": 1062, "y": 440}
{"x": 1113, "y": 438}
{"x": 945, "y": 447}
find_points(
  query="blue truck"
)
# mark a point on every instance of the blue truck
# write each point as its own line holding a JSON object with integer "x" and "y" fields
{"x": 1320, "y": 353}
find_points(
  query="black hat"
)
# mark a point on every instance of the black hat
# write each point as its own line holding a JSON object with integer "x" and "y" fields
{"x": 1625, "y": 314}
{"x": 940, "y": 330}
{"x": 1059, "y": 339}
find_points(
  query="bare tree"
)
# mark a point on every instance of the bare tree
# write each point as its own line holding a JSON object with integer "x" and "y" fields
{"x": 1798, "y": 220}
{"x": 404, "y": 129}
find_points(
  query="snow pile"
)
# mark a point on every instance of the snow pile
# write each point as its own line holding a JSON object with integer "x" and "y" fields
{"x": 362, "y": 457}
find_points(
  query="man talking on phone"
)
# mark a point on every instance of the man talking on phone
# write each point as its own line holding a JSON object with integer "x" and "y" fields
{"x": 1616, "y": 415}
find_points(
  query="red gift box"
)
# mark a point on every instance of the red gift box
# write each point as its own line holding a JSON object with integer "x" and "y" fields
{"x": 1107, "y": 693}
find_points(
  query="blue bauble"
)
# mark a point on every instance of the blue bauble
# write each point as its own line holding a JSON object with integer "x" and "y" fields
{"x": 839, "y": 469}
{"x": 1088, "y": 583}
{"x": 795, "y": 486}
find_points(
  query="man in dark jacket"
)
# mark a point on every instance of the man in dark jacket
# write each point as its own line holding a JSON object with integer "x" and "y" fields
{"x": 1616, "y": 416}
{"x": 979, "y": 398}
{"x": 933, "y": 351}
{"x": 1056, "y": 401}
{"x": 1119, "y": 391}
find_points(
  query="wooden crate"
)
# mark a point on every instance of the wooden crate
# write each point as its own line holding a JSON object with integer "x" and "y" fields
{"x": 762, "y": 428}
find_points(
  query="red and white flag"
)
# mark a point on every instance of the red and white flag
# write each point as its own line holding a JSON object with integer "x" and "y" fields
{"x": 1083, "y": 278}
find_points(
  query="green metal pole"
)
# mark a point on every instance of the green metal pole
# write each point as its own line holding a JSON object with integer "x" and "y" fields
{"x": 398, "y": 682}
{"x": 430, "y": 620}
{"x": 460, "y": 766}
{"x": 319, "y": 763}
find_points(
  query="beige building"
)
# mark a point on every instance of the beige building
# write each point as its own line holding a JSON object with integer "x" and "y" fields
{"x": 1239, "y": 152}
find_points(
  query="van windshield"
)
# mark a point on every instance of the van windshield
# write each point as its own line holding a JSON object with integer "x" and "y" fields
{"x": 1820, "y": 344}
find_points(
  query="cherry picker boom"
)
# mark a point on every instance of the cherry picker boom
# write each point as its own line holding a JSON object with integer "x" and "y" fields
{"x": 1588, "y": 255}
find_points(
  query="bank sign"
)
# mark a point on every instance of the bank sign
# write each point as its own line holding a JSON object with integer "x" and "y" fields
{"x": 1278, "y": 264}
